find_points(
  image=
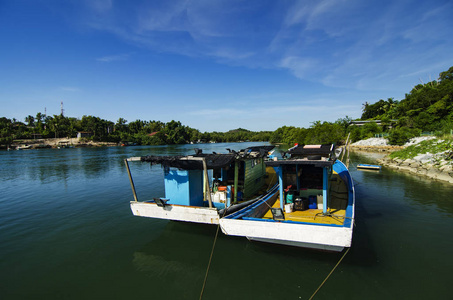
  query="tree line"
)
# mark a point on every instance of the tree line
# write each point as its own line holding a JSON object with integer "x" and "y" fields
{"x": 136, "y": 132}
{"x": 427, "y": 107}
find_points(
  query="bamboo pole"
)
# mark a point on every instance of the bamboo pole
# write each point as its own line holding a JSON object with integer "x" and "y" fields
{"x": 344, "y": 148}
{"x": 207, "y": 187}
{"x": 131, "y": 180}
{"x": 236, "y": 181}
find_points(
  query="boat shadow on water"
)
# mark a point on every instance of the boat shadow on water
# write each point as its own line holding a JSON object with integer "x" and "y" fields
{"x": 362, "y": 251}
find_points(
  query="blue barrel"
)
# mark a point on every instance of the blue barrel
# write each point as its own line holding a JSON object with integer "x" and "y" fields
{"x": 312, "y": 202}
{"x": 240, "y": 196}
{"x": 313, "y": 206}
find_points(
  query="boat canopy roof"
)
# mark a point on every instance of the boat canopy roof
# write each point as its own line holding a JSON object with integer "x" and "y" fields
{"x": 300, "y": 161}
{"x": 213, "y": 161}
{"x": 308, "y": 150}
{"x": 317, "y": 155}
{"x": 191, "y": 162}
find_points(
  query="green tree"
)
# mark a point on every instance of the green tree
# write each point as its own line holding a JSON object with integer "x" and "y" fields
{"x": 30, "y": 120}
{"x": 6, "y": 129}
{"x": 121, "y": 125}
{"x": 400, "y": 136}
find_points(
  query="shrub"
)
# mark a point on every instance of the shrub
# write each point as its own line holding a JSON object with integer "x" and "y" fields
{"x": 400, "y": 136}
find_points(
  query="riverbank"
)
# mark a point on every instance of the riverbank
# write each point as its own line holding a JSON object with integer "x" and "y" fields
{"x": 425, "y": 156}
{"x": 57, "y": 143}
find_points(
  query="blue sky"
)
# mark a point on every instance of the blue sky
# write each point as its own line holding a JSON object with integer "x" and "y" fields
{"x": 218, "y": 65}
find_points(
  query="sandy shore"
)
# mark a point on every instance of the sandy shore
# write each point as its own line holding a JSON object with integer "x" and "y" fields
{"x": 58, "y": 143}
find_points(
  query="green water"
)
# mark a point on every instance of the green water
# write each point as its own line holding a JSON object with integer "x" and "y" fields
{"x": 67, "y": 232}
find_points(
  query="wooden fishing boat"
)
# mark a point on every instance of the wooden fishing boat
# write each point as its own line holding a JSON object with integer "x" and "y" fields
{"x": 201, "y": 188}
{"x": 314, "y": 207}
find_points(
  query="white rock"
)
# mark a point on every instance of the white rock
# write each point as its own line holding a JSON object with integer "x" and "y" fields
{"x": 372, "y": 142}
{"x": 416, "y": 140}
{"x": 424, "y": 158}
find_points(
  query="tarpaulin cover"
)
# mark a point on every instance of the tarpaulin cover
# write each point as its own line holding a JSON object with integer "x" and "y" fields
{"x": 213, "y": 161}
{"x": 302, "y": 150}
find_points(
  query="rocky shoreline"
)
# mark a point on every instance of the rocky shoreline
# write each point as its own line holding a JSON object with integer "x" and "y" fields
{"x": 442, "y": 170}
{"x": 435, "y": 166}
{"x": 369, "y": 148}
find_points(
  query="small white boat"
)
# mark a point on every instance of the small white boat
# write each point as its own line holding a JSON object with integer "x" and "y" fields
{"x": 369, "y": 167}
{"x": 237, "y": 179}
{"x": 314, "y": 208}
{"x": 23, "y": 147}
{"x": 64, "y": 145}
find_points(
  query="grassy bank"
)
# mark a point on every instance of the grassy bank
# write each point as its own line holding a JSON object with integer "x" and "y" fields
{"x": 442, "y": 147}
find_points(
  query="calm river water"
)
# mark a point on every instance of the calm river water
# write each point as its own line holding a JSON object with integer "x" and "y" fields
{"x": 67, "y": 232}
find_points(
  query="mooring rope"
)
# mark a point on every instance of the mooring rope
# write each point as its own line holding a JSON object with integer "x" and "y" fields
{"x": 212, "y": 254}
{"x": 209, "y": 263}
{"x": 312, "y": 296}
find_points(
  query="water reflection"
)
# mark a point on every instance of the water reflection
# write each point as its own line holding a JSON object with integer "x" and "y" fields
{"x": 177, "y": 257}
{"x": 51, "y": 165}
{"x": 180, "y": 255}
{"x": 395, "y": 190}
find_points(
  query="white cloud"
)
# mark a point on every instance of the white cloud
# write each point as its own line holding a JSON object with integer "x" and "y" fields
{"x": 301, "y": 67}
{"x": 339, "y": 43}
{"x": 110, "y": 58}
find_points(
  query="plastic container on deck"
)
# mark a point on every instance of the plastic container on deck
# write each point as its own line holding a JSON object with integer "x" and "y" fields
{"x": 312, "y": 202}
{"x": 301, "y": 203}
{"x": 289, "y": 198}
{"x": 289, "y": 208}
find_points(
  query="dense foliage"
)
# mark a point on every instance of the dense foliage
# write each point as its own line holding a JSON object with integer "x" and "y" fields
{"x": 427, "y": 107}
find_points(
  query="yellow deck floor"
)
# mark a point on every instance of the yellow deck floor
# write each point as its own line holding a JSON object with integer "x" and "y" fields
{"x": 311, "y": 215}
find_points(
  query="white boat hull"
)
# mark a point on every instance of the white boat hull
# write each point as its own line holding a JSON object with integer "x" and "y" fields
{"x": 184, "y": 213}
{"x": 294, "y": 234}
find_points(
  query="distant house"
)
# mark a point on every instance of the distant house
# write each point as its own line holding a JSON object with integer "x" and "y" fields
{"x": 84, "y": 134}
{"x": 378, "y": 122}
{"x": 153, "y": 133}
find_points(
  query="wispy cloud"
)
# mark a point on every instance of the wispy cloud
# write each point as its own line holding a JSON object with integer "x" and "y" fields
{"x": 99, "y": 6}
{"x": 334, "y": 42}
{"x": 110, "y": 58}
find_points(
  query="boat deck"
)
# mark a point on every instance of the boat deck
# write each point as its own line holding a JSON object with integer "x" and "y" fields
{"x": 336, "y": 217}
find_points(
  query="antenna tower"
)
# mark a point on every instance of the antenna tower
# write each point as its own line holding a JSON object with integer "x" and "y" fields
{"x": 62, "y": 110}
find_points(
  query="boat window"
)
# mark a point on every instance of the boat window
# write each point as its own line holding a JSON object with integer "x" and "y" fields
{"x": 311, "y": 177}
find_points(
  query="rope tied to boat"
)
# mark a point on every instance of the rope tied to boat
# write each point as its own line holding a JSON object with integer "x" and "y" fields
{"x": 212, "y": 253}
{"x": 209, "y": 263}
{"x": 210, "y": 258}
{"x": 338, "y": 263}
